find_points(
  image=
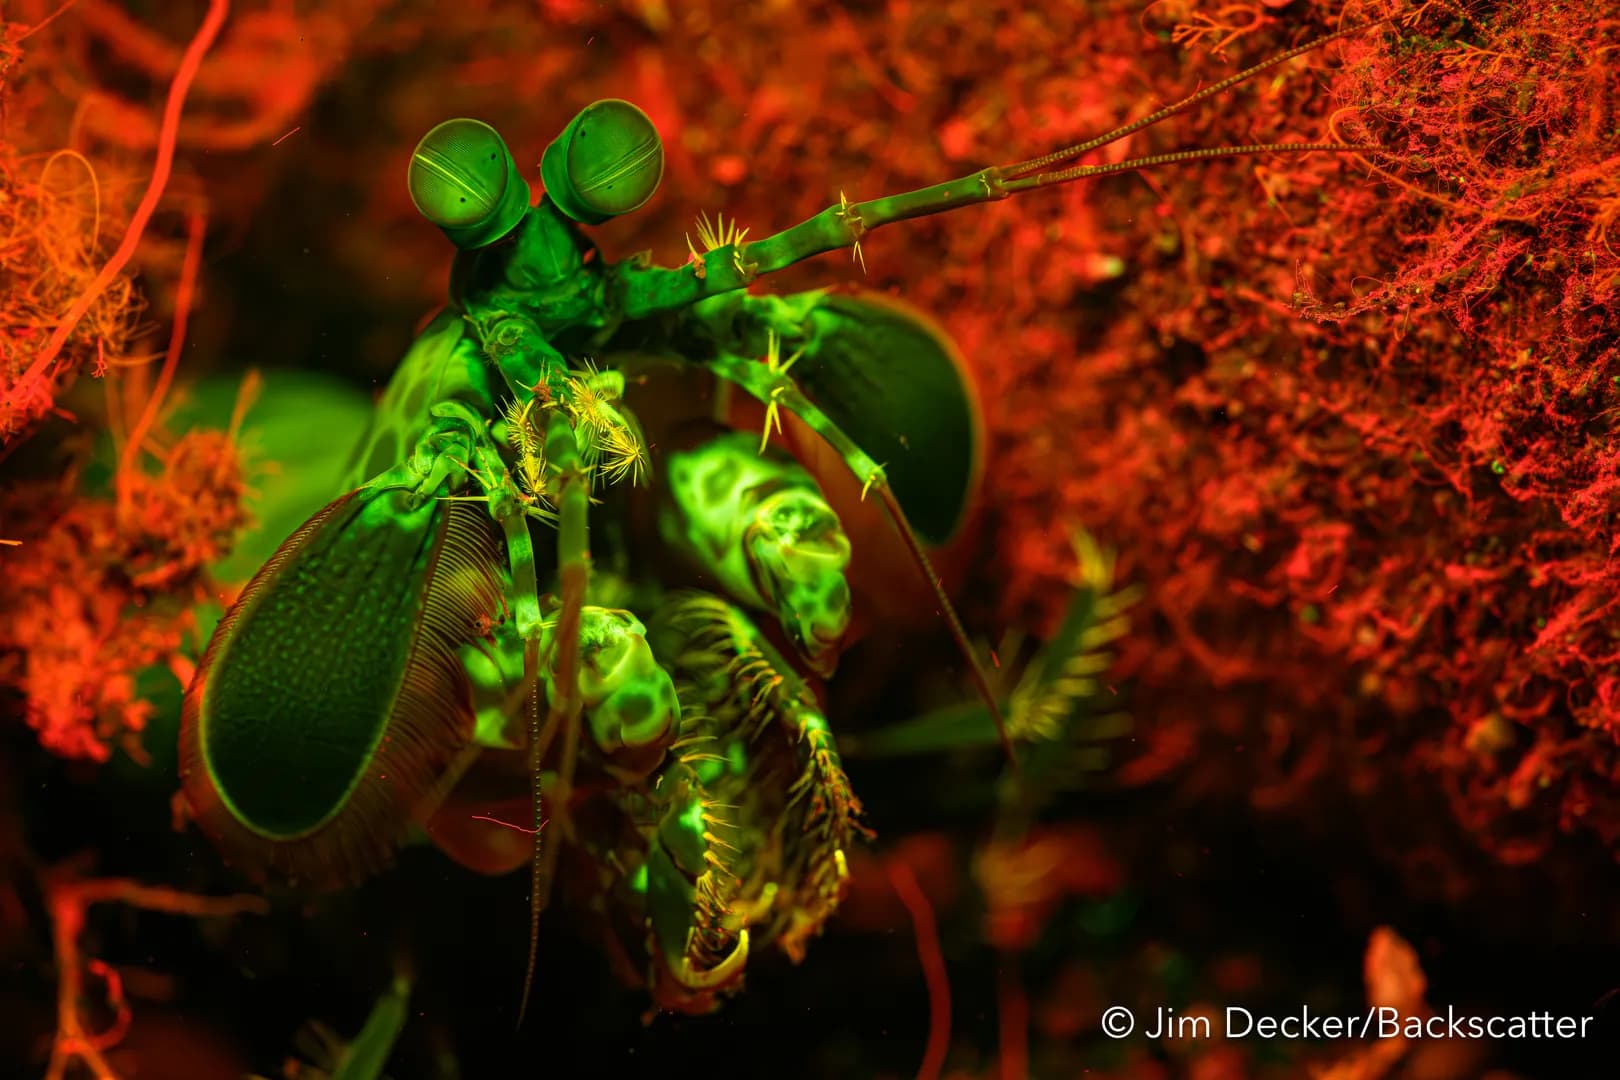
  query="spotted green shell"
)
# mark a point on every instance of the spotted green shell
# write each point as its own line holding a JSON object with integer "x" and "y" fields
{"x": 463, "y": 179}
{"x": 607, "y": 162}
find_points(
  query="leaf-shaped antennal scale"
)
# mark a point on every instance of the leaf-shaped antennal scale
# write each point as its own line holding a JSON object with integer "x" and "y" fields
{"x": 895, "y": 382}
{"x": 331, "y": 708}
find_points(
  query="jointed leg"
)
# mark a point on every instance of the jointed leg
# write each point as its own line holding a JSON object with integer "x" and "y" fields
{"x": 772, "y": 385}
{"x": 572, "y": 495}
{"x": 766, "y": 735}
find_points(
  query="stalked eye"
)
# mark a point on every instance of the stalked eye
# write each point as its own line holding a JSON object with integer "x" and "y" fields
{"x": 607, "y": 162}
{"x": 463, "y": 179}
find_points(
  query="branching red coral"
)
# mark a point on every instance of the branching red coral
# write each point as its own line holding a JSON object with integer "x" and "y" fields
{"x": 29, "y": 396}
{"x": 68, "y": 896}
{"x": 96, "y": 596}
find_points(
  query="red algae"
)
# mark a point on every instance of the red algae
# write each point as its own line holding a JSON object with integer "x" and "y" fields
{"x": 1349, "y": 419}
{"x": 95, "y": 590}
{"x": 97, "y": 596}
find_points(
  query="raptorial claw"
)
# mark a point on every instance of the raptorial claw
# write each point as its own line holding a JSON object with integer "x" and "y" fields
{"x": 697, "y": 950}
{"x": 726, "y": 975}
{"x": 761, "y": 526}
{"x": 790, "y": 843}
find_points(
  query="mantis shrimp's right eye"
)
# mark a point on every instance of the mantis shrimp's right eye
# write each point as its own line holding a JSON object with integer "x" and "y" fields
{"x": 607, "y": 162}
{"x": 463, "y": 179}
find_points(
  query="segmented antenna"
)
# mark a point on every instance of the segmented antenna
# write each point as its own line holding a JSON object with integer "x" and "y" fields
{"x": 1033, "y": 173}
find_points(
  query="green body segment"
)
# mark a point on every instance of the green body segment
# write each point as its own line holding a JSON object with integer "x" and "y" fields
{"x": 444, "y": 363}
{"x": 547, "y": 275}
{"x": 757, "y": 524}
{"x": 495, "y": 670}
{"x": 675, "y": 863}
{"x": 629, "y": 701}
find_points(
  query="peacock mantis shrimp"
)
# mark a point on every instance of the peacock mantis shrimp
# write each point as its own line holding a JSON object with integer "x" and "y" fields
{"x": 448, "y": 614}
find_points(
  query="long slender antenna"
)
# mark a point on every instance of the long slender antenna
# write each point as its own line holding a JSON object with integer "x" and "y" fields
{"x": 563, "y": 717}
{"x": 641, "y": 290}
{"x": 538, "y": 745}
{"x": 1080, "y": 172}
{"x": 981, "y": 682}
{"x": 1023, "y": 168}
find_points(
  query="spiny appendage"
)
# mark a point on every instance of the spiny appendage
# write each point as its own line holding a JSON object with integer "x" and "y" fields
{"x": 824, "y": 807}
{"x": 528, "y": 442}
{"x": 459, "y": 445}
{"x": 697, "y": 947}
{"x": 737, "y": 670}
{"x": 849, "y": 215}
{"x": 723, "y": 673}
{"x": 713, "y": 237}
{"x": 611, "y": 445}
{"x": 610, "y": 442}
{"x": 1063, "y": 678}
{"x": 778, "y": 369}
{"x": 715, "y": 931}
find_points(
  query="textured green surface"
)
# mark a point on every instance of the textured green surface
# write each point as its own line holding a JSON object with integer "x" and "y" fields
{"x": 607, "y": 162}
{"x": 629, "y": 700}
{"x": 892, "y": 383}
{"x": 301, "y": 696}
{"x": 758, "y": 524}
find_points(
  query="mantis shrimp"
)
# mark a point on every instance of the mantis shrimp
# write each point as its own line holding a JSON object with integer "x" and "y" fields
{"x": 452, "y": 621}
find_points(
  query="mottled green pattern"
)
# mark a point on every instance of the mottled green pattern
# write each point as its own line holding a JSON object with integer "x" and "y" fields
{"x": 444, "y": 363}
{"x": 759, "y": 525}
{"x": 629, "y": 700}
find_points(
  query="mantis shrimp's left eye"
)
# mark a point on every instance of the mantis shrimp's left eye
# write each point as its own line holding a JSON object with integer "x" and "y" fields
{"x": 463, "y": 179}
{"x": 607, "y": 162}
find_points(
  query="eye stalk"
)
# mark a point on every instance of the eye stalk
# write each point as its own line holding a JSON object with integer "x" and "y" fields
{"x": 463, "y": 179}
{"x": 608, "y": 161}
